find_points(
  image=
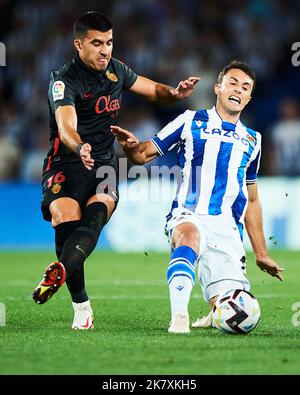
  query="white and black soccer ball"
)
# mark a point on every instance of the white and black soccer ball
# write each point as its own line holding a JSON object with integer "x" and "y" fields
{"x": 237, "y": 311}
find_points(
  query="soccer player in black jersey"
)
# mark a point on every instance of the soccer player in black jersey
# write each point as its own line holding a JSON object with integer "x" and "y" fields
{"x": 84, "y": 100}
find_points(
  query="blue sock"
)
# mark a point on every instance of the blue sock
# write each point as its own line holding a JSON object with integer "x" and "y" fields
{"x": 181, "y": 278}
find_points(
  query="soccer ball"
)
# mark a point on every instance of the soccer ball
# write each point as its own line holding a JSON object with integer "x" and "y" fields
{"x": 237, "y": 311}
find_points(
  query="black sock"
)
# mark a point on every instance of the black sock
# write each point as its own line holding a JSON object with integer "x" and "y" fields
{"x": 62, "y": 232}
{"x": 75, "y": 282}
{"x": 83, "y": 240}
{"x": 76, "y": 286}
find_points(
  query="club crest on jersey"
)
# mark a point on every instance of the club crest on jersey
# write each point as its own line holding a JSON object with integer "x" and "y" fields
{"x": 56, "y": 188}
{"x": 251, "y": 140}
{"x": 111, "y": 76}
{"x": 58, "y": 90}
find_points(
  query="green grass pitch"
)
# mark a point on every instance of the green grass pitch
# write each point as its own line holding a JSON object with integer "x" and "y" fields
{"x": 130, "y": 299}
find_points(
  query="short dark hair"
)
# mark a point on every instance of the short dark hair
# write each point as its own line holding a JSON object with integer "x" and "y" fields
{"x": 91, "y": 20}
{"x": 237, "y": 64}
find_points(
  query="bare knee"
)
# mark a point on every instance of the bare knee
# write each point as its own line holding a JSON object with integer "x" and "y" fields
{"x": 186, "y": 234}
{"x": 64, "y": 210}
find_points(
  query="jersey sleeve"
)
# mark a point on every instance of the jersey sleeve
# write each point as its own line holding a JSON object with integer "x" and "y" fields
{"x": 170, "y": 135}
{"x": 62, "y": 92}
{"x": 129, "y": 76}
{"x": 252, "y": 170}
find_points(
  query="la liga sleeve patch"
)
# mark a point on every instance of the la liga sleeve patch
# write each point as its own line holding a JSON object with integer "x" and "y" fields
{"x": 58, "y": 90}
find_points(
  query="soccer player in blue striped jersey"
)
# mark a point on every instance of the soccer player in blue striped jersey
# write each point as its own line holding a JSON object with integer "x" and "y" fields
{"x": 217, "y": 195}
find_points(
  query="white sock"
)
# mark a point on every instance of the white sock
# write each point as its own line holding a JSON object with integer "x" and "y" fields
{"x": 181, "y": 278}
{"x": 180, "y": 292}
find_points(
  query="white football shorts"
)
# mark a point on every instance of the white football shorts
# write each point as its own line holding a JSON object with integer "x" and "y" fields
{"x": 222, "y": 258}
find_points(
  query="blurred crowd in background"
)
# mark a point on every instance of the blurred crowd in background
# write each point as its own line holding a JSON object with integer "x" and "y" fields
{"x": 166, "y": 40}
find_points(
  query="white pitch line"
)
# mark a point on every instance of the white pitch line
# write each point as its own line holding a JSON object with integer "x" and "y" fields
{"x": 149, "y": 296}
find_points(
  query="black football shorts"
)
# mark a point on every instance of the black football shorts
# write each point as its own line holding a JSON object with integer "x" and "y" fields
{"x": 73, "y": 180}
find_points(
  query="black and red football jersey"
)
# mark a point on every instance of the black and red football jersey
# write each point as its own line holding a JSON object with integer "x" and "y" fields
{"x": 97, "y": 98}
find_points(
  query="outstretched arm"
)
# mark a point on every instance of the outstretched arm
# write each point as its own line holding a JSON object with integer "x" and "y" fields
{"x": 254, "y": 227}
{"x": 163, "y": 94}
{"x": 137, "y": 152}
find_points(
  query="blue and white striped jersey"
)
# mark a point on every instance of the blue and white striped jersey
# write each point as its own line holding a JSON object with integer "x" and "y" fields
{"x": 216, "y": 158}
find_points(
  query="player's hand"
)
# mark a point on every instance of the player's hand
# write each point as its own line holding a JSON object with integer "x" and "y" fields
{"x": 125, "y": 138}
{"x": 185, "y": 88}
{"x": 268, "y": 265}
{"x": 85, "y": 155}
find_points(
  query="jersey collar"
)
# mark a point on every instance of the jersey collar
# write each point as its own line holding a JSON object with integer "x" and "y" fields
{"x": 228, "y": 125}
